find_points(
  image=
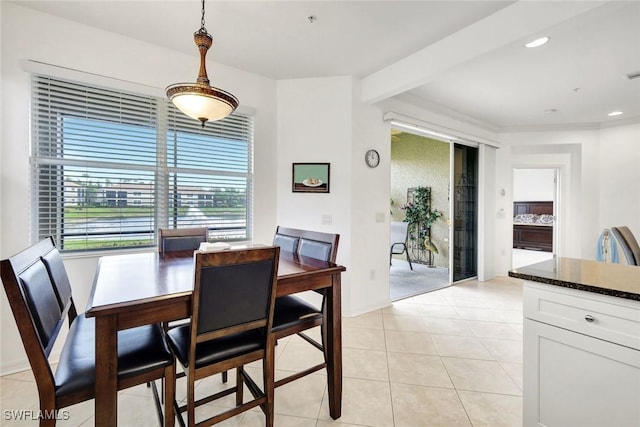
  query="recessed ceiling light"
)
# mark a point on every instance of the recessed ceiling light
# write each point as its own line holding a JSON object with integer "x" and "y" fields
{"x": 615, "y": 113}
{"x": 538, "y": 42}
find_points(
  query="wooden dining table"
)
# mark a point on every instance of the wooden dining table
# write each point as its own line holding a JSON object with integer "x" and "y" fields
{"x": 137, "y": 289}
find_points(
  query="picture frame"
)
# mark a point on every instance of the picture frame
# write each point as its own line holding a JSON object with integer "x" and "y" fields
{"x": 310, "y": 177}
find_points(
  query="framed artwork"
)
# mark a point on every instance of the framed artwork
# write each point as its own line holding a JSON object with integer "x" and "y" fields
{"x": 310, "y": 178}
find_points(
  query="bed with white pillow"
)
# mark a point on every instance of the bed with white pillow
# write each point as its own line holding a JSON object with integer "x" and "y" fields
{"x": 533, "y": 225}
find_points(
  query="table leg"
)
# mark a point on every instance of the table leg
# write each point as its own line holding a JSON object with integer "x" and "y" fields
{"x": 106, "y": 401}
{"x": 333, "y": 346}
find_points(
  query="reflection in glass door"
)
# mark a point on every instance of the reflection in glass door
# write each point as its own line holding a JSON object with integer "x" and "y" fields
{"x": 465, "y": 212}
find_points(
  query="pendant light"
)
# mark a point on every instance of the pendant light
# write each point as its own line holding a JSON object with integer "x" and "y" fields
{"x": 200, "y": 100}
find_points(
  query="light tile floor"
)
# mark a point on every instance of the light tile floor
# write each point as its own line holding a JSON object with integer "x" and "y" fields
{"x": 522, "y": 257}
{"x": 451, "y": 357}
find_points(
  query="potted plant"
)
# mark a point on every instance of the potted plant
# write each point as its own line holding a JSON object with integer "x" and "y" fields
{"x": 421, "y": 217}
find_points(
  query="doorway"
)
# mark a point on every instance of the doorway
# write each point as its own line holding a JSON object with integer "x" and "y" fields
{"x": 535, "y": 215}
{"x": 460, "y": 237}
{"x": 420, "y": 168}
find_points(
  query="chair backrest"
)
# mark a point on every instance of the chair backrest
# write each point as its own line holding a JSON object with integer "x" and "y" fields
{"x": 628, "y": 243}
{"x": 181, "y": 239}
{"x": 60, "y": 280}
{"x": 313, "y": 244}
{"x": 38, "y": 306}
{"x": 234, "y": 291}
{"x": 398, "y": 232}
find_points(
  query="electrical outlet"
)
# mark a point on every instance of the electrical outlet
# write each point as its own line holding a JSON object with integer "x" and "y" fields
{"x": 326, "y": 219}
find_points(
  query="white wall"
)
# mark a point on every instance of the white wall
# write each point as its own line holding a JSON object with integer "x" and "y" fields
{"x": 488, "y": 214}
{"x": 314, "y": 126}
{"x": 618, "y": 164}
{"x": 597, "y": 178}
{"x": 31, "y": 35}
{"x": 371, "y": 190}
{"x": 564, "y": 150}
{"x": 533, "y": 185}
{"x": 323, "y": 120}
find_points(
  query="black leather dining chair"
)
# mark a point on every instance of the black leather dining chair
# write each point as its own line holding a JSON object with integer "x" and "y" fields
{"x": 293, "y": 314}
{"x": 628, "y": 243}
{"x": 231, "y": 326}
{"x": 180, "y": 239}
{"x": 39, "y": 293}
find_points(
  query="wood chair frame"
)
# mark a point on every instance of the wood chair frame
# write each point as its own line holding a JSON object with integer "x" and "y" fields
{"x": 263, "y": 398}
{"x": 308, "y": 322}
{"x": 38, "y": 353}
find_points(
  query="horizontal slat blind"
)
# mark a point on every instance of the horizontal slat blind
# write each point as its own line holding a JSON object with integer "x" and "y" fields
{"x": 209, "y": 173}
{"x": 106, "y": 161}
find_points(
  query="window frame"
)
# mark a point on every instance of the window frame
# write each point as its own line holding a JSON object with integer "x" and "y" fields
{"x": 161, "y": 203}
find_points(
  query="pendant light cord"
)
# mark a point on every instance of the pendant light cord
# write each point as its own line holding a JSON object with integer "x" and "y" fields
{"x": 202, "y": 27}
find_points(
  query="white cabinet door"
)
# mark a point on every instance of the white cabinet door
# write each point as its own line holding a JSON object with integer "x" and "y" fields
{"x": 572, "y": 379}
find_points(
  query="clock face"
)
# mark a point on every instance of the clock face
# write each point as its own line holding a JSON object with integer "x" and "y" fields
{"x": 372, "y": 158}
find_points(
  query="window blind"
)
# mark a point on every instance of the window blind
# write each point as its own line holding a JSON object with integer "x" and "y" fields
{"x": 111, "y": 167}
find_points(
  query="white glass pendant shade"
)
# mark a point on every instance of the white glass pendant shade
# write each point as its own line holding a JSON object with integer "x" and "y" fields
{"x": 202, "y": 102}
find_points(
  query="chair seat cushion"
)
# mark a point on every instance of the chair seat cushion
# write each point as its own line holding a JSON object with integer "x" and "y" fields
{"x": 140, "y": 350}
{"x": 290, "y": 310}
{"x": 215, "y": 350}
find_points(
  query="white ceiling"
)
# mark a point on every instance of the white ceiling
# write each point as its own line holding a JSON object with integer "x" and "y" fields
{"x": 466, "y": 57}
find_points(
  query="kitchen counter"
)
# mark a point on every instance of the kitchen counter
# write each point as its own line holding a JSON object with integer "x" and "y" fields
{"x": 617, "y": 280}
{"x": 581, "y": 343}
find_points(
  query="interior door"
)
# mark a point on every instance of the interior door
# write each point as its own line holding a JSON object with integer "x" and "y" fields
{"x": 465, "y": 212}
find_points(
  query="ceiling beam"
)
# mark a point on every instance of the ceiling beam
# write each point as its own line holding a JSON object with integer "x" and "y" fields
{"x": 514, "y": 23}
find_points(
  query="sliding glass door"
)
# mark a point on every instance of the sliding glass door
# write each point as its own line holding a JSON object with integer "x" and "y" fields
{"x": 465, "y": 212}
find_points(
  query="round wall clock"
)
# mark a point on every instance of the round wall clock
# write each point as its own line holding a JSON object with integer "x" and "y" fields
{"x": 372, "y": 158}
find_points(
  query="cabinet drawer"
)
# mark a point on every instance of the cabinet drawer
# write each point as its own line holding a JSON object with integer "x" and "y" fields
{"x": 575, "y": 380}
{"x": 609, "y": 318}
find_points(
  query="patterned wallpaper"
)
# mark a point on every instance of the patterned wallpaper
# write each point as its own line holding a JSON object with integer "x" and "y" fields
{"x": 417, "y": 161}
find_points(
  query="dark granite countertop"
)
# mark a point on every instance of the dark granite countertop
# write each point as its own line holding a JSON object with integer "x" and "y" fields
{"x": 616, "y": 280}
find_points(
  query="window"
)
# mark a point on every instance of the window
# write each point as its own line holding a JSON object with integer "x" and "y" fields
{"x": 111, "y": 167}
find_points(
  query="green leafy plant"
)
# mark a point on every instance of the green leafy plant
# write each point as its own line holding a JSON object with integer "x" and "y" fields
{"x": 421, "y": 217}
